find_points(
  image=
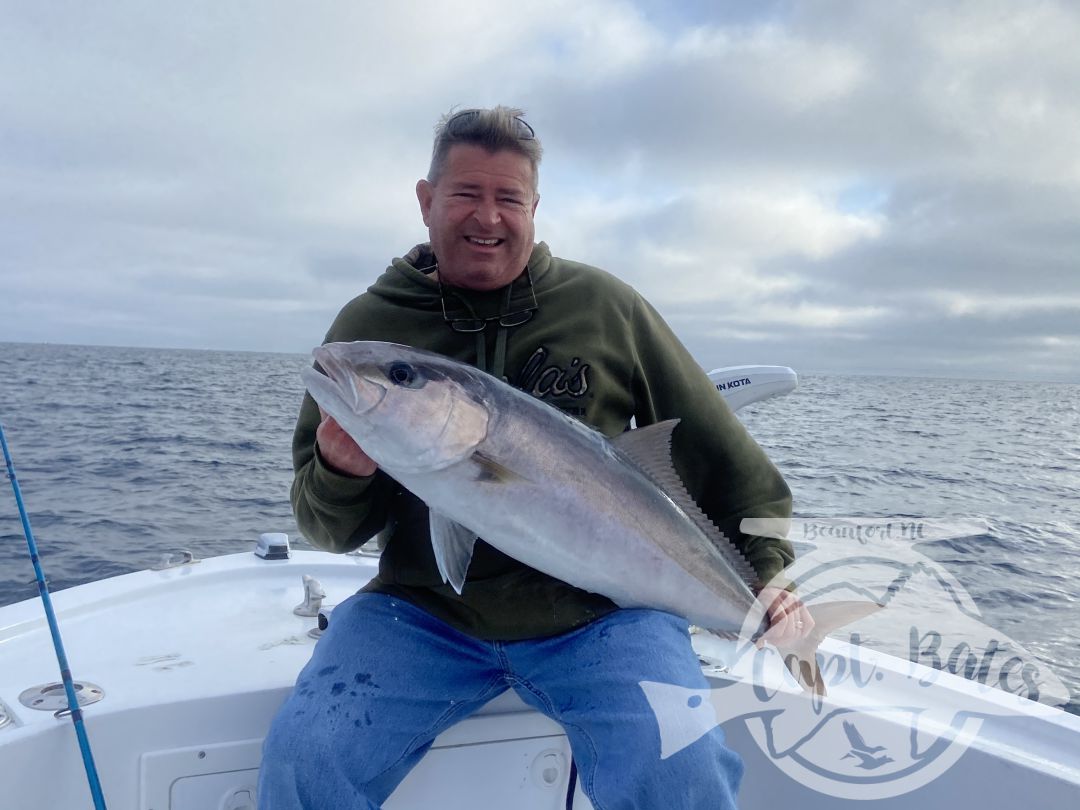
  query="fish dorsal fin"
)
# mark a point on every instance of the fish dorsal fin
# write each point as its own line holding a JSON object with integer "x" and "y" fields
{"x": 649, "y": 449}
{"x": 453, "y": 547}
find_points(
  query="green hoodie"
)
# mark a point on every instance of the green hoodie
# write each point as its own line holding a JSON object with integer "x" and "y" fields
{"x": 594, "y": 348}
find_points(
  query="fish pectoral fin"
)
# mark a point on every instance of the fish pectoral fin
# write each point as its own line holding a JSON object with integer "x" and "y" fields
{"x": 453, "y": 547}
{"x": 488, "y": 470}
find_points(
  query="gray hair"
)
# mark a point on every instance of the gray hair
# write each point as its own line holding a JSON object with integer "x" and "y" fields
{"x": 500, "y": 128}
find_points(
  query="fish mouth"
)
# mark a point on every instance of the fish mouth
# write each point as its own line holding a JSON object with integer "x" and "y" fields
{"x": 340, "y": 389}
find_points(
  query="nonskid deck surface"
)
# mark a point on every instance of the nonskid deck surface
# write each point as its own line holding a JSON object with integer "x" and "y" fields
{"x": 194, "y": 660}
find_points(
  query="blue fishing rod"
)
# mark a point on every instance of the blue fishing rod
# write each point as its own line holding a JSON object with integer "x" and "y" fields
{"x": 54, "y": 629}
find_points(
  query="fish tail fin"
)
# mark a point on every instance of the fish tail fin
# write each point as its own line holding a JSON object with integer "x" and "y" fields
{"x": 800, "y": 657}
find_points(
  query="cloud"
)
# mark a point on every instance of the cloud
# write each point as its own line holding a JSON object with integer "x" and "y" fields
{"x": 843, "y": 186}
{"x": 713, "y": 242}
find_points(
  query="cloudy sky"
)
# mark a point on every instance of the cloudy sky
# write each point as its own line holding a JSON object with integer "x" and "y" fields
{"x": 837, "y": 186}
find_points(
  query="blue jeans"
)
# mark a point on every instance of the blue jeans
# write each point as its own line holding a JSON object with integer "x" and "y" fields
{"x": 387, "y": 678}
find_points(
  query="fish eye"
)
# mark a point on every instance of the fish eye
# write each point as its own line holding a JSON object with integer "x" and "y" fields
{"x": 401, "y": 374}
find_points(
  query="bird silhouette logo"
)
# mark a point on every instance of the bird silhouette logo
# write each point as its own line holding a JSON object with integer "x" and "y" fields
{"x": 863, "y": 752}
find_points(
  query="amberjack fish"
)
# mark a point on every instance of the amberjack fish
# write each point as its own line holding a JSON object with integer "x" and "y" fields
{"x": 606, "y": 515}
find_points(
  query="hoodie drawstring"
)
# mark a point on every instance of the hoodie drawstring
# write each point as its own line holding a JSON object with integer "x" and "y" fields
{"x": 502, "y": 335}
{"x": 498, "y": 367}
{"x": 481, "y": 351}
{"x": 501, "y": 339}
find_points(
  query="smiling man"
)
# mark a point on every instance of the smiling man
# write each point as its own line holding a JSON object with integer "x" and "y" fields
{"x": 479, "y": 211}
{"x": 408, "y": 656}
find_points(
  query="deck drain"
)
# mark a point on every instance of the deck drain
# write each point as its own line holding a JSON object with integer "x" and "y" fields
{"x": 51, "y": 697}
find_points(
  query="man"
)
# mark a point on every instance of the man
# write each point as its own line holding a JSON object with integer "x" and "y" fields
{"x": 408, "y": 657}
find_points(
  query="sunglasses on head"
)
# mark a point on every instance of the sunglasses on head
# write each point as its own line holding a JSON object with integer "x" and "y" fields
{"x": 460, "y": 123}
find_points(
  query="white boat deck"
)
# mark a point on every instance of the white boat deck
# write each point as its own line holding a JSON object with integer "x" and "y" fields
{"x": 194, "y": 660}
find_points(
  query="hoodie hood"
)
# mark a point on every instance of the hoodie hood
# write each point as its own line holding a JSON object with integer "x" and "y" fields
{"x": 410, "y": 281}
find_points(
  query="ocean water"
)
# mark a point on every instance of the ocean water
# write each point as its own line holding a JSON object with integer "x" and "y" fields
{"x": 126, "y": 454}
